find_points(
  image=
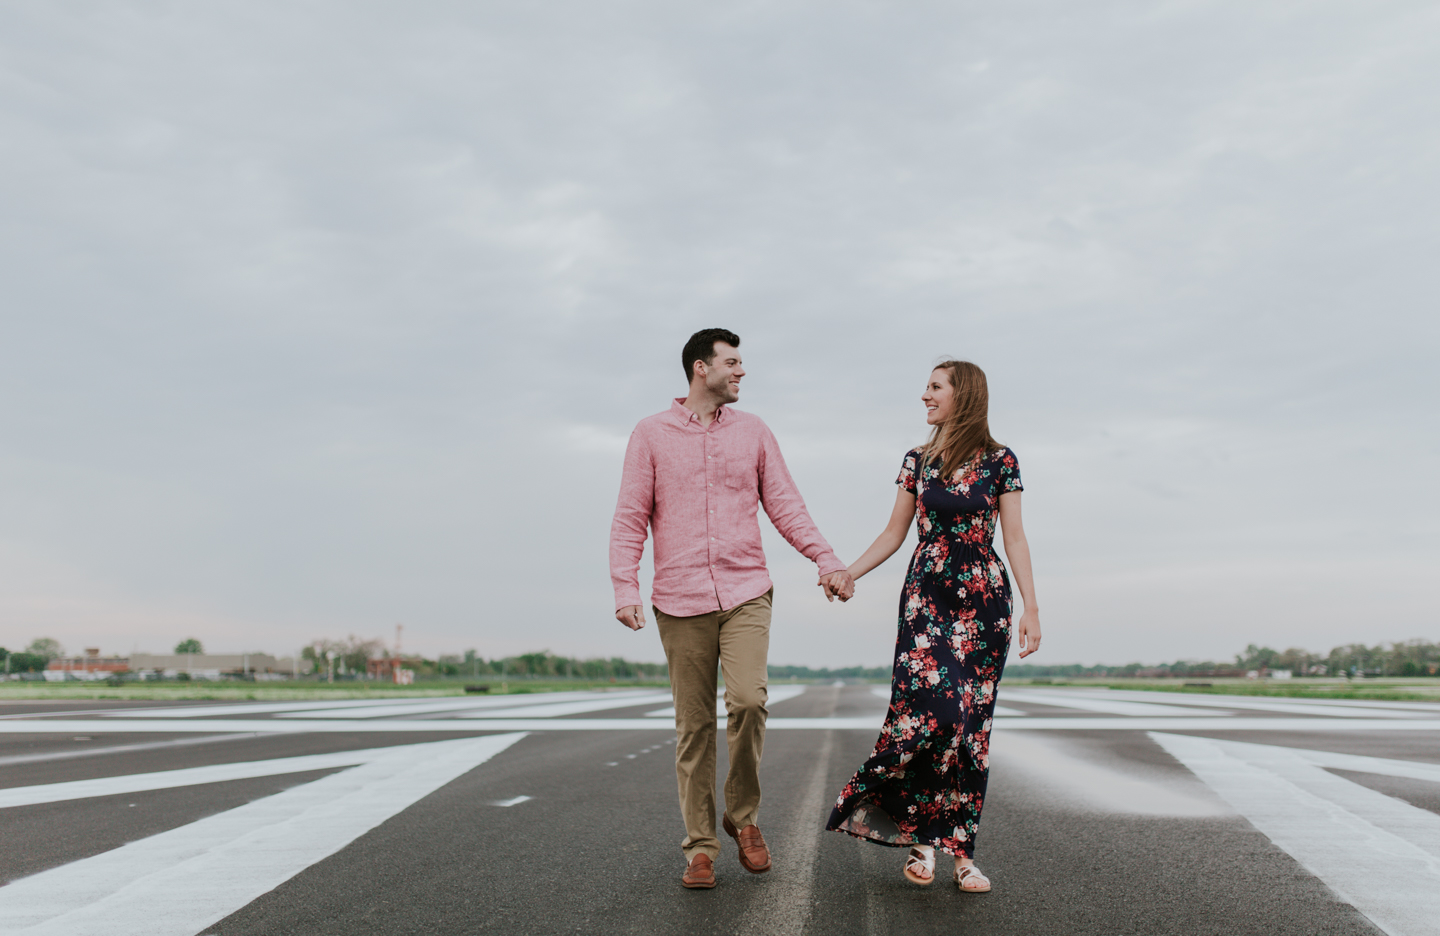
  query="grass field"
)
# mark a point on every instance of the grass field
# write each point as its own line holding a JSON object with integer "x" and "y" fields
{"x": 1394, "y": 690}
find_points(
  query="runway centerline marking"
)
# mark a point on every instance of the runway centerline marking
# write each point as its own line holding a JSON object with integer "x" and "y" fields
{"x": 512, "y": 801}
{"x": 180, "y": 882}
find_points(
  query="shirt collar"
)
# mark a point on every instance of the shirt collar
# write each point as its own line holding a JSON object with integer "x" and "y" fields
{"x": 685, "y": 417}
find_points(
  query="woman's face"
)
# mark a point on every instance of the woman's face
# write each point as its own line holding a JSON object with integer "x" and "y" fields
{"x": 939, "y": 397}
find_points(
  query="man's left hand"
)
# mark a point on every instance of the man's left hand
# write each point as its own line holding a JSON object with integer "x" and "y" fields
{"x": 838, "y": 585}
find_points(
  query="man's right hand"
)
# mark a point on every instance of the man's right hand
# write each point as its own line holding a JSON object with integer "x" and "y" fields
{"x": 632, "y": 616}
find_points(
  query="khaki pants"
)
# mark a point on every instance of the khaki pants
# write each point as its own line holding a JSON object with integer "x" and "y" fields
{"x": 738, "y": 641}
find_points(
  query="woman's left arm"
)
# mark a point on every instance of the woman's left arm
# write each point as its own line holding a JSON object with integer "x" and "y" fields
{"x": 1017, "y": 550}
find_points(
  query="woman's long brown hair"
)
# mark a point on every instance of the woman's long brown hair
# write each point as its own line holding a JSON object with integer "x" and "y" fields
{"x": 966, "y": 432}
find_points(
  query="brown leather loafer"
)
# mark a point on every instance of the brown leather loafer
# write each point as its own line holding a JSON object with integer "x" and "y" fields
{"x": 700, "y": 874}
{"x": 754, "y": 853}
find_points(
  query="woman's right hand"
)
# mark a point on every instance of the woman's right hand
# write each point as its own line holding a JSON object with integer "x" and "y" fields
{"x": 1028, "y": 632}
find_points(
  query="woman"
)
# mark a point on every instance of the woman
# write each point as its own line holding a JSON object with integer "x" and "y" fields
{"x": 924, "y": 783}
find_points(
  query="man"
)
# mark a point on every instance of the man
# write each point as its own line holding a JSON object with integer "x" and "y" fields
{"x": 695, "y": 475}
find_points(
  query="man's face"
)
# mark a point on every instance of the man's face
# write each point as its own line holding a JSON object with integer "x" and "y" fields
{"x": 722, "y": 375}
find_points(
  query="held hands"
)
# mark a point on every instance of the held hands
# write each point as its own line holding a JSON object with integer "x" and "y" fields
{"x": 1028, "y": 633}
{"x": 632, "y": 616}
{"x": 838, "y": 585}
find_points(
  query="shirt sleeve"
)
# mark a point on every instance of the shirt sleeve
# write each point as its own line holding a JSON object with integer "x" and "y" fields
{"x": 1008, "y": 478}
{"x": 632, "y": 521}
{"x": 907, "y": 471}
{"x": 786, "y": 509}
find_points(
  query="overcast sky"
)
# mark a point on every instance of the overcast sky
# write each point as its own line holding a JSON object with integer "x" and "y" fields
{"x": 322, "y": 317}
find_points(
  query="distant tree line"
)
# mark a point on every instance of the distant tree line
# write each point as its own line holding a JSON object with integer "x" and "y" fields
{"x": 32, "y": 659}
{"x": 844, "y": 672}
{"x": 1405, "y": 658}
{"x": 546, "y": 664}
{"x": 350, "y": 655}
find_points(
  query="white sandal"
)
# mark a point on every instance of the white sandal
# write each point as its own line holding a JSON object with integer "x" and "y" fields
{"x": 920, "y": 858}
{"x": 966, "y": 874}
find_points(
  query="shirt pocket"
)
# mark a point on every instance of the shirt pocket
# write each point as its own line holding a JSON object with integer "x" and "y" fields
{"x": 742, "y": 468}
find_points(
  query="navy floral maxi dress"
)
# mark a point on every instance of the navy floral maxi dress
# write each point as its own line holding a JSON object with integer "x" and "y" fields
{"x": 924, "y": 784}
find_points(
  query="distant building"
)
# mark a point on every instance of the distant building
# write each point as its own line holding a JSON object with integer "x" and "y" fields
{"x": 195, "y": 665}
{"x": 392, "y": 669}
{"x": 90, "y": 666}
{"x": 212, "y": 665}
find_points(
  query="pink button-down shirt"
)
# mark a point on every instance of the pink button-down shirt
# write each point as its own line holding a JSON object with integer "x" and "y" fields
{"x": 698, "y": 488}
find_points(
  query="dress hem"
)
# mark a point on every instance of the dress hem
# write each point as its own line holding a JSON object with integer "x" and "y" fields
{"x": 889, "y": 844}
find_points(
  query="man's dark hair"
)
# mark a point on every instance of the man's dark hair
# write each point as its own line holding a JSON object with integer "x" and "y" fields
{"x": 701, "y": 347}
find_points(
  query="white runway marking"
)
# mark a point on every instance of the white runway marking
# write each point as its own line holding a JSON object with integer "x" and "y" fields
{"x": 361, "y": 708}
{"x": 1093, "y": 786}
{"x": 777, "y": 694}
{"x": 120, "y": 749}
{"x": 883, "y": 692}
{"x": 1088, "y": 703}
{"x": 866, "y": 723}
{"x": 241, "y": 708}
{"x": 1333, "y": 709}
{"x": 179, "y": 882}
{"x": 391, "y": 709}
{"x": 189, "y": 776}
{"x": 1378, "y": 853}
{"x": 579, "y": 707}
{"x": 512, "y": 801}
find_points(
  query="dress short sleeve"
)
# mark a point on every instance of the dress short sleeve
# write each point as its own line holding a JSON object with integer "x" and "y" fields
{"x": 1008, "y": 478}
{"x": 907, "y": 471}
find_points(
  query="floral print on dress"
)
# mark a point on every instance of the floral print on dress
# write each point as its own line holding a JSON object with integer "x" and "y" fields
{"x": 924, "y": 783}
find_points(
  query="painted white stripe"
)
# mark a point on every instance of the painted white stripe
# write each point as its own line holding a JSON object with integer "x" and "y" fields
{"x": 512, "y": 801}
{"x": 189, "y": 776}
{"x": 1001, "y": 710}
{"x": 776, "y": 694}
{"x": 869, "y": 723}
{"x": 517, "y": 701}
{"x": 362, "y": 708}
{"x": 1067, "y": 776}
{"x": 1379, "y": 854}
{"x": 1415, "y": 770}
{"x": 120, "y": 749}
{"x": 569, "y": 708}
{"x": 1088, "y": 703}
{"x": 1427, "y": 708}
{"x": 1249, "y": 703}
{"x": 1304, "y": 768}
{"x": 179, "y": 882}
{"x": 239, "y": 708}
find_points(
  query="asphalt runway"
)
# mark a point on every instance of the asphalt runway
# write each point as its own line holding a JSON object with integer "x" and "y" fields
{"x": 1108, "y": 813}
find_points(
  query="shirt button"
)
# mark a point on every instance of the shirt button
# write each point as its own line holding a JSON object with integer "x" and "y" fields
{"x": 712, "y": 539}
